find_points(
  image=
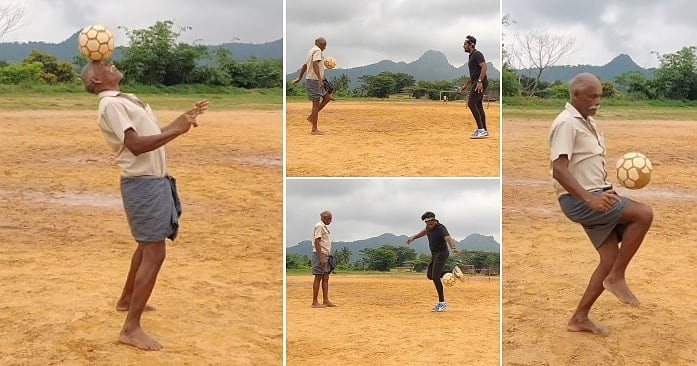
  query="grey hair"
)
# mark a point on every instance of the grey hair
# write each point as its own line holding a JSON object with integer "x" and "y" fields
{"x": 86, "y": 76}
{"x": 325, "y": 214}
{"x": 580, "y": 81}
{"x": 320, "y": 40}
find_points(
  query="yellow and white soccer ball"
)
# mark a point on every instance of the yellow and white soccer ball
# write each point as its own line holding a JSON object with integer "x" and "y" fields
{"x": 634, "y": 170}
{"x": 448, "y": 279}
{"x": 330, "y": 62}
{"x": 96, "y": 42}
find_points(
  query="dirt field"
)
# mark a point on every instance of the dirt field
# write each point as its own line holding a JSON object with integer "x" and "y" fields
{"x": 65, "y": 245}
{"x": 548, "y": 260}
{"x": 387, "y": 320}
{"x": 390, "y": 139}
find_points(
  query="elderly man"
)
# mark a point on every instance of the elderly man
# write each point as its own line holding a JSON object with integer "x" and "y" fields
{"x": 314, "y": 82}
{"x": 149, "y": 194}
{"x": 438, "y": 242}
{"x": 322, "y": 260}
{"x": 577, "y": 158}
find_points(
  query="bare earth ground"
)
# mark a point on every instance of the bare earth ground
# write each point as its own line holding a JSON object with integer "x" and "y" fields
{"x": 390, "y": 139}
{"x": 548, "y": 260}
{"x": 65, "y": 245}
{"x": 387, "y": 320}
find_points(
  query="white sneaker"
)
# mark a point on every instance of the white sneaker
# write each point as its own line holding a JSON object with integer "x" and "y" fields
{"x": 441, "y": 306}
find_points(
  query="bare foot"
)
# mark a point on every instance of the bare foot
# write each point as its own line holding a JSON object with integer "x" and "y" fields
{"x": 139, "y": 339}
{"x": 316, "y": 132}
{"x": 329, "y": 304}
{"x": 620, "y": 289}
{"x": 126, "y": 307}
{"x": 308, "y": 119}
{"x": 585, "y": 325}
{"x": 318, "y": 305}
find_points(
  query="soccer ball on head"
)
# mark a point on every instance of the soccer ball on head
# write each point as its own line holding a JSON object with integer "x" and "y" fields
{"x": 330, "y": 62}
{"x": 634, "y": 170}
{"x": 96, "y": 42}
{"x": 448, "y": 279}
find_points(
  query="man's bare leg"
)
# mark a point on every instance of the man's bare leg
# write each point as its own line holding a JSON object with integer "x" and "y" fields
{"x": 314, "y": 116}
{"x": 638, "y": 218}
{"x": 325, "y": 291}
{"x": 315, "y": 292}
{"x": 325, "y": 100}
{"x": 124, "y": 303}
{"x": 580, "y": 322}
{"x": 153, "y": 254}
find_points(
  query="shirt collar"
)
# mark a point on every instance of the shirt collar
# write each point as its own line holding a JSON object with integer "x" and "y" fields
{"x": 575, "y": 113}
{"x": 108, "y": 93}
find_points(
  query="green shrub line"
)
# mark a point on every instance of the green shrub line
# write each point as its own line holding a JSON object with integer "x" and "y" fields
{"x": 610, "y": 108}
{"x": 73, "y": 96}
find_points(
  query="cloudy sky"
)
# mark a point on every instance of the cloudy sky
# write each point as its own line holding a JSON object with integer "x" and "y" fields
{"x": 212, "y": 21}
{"x": 605, "y": 28}
{"x": 362, "y": 32}
{"x": 364, "y": 208}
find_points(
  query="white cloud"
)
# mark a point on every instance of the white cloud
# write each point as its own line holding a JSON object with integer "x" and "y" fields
{"x": 363, "y": 208}
{"x": 362, "y": 32}
{"x": 604, "y": 29}
{"x": 211, "y": 21}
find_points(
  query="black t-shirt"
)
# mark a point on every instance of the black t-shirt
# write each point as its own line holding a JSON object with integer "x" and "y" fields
{"x": 476, "y": 58}
{"x": 436, "y": 238}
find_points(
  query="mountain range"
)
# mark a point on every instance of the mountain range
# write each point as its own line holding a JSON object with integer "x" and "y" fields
{"x": 15, "y": 52}
{"x": 473, "y": 242}
{"x": 618, "y": 65}
{"x": 431, "y": 66}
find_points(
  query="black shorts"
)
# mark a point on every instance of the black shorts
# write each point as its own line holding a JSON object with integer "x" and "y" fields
{"x": 437, "y": 264}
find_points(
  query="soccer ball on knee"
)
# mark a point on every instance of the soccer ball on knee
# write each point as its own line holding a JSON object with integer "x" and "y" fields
{"x": 330, "y": 62}
{"x": 448, "y": 279}
{"x": 633, "y": 170}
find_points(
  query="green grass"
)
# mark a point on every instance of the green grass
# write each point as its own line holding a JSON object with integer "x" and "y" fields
{"x": 535, "y": 108}
{"x": 72, "y": 97}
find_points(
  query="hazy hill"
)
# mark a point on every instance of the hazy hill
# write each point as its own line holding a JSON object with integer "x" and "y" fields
{"x": 471, "y": 242}
{"x": 619, "y": 65}
{"x": 16, "y": 52}
{"x": 431, "y": 66}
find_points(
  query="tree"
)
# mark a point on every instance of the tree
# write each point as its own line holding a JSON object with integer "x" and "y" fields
{"x": 380, "y": 259}
{"x": 404, "y": 254}
{"x": 297, "y": 261}
{"x": 480, "y": 259}
{"x": 10, "y": 17}
{"x": 558, "y": 91}
{"x": 341, "y": 84}
{"x": 379, "y": 86}
{"x": 421, "y": 262}
{"x": 155, "y": 58}
{"x": 676, "y": 78}
{"x": 53, "y": 71}
{"x": 536, "y": 52}
{"x": 510, "y": 83}
{"x": 635, "y": 84}
{"x": 343, "y": 256}
{"x": 609, "y": 90}
{"x": 402, "y": 81}
{"x": 21, "y": 74}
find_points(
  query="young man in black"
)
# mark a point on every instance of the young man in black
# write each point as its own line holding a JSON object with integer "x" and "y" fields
{"x": 438, "y": 241}
{"x": 478, "y": 83}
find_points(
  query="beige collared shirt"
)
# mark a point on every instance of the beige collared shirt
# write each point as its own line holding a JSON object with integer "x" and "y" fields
{"x": 584, "y": 144}
{"x": 118, "y": 113}
{"x": 314, "y": 54}
{"x": 321, "y": 231}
